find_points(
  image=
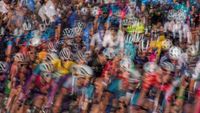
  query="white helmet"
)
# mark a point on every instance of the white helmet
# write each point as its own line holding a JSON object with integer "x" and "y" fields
{"x": 35, "y": 41}
{"x": 167, "y": 66}
{"x": 69, "y": 32}
{"x": 84, "y": 11}
{"x": 82, "y": 70}
{"x": 150, "y": 67}
{"x": 80, "y": 56}
{"x": 109, "y": 53}
{"x": 137, "y": 37}
{"x": 46, "y": 67}
{"x": 42, "y": 27}
{"x": 3, "y": 67}
{"x": 134, "y": 76}
{"x": 144, "y": 45}
{"x": 126, "y": 64}
{"x": 129, "y": 38}
{"x": 19, "y": 57}
{"x": 46, "y": 22}
{"x": 192, "y": 50}
{"x": 52, "y": 47}
{"x": 17, "y": 32}
{"x": 125, "y": 22}
{"x": 27, "y": 26}
{"x": 166, "y": 44}
{"x": 51, "y": 57}
{"x": 2, "y": 31}
{"x": 95, "y": 11}
{"x": 175, "y": 53}
{"x": 80, "y": 24}
{"x": 46, "y": 76}
{"x": 65, "y": 54}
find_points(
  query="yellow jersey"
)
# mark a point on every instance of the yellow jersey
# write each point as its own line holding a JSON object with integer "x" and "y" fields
{"x": 63, "y": 68}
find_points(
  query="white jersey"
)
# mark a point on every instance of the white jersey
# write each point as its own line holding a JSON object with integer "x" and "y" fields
{"x": 118, "y": 39}
{"x": 48, "y": 10}
{"x": 97, "y": 40}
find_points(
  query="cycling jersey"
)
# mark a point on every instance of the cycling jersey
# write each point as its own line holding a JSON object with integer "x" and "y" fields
{"x": 109, "y": 42}
{"x": 115, "y": 88}
{"x": 151, "y": 80}
{"x": 64, "y": 68}
{"x": 88, "y": 91}
{"x": 39, "y": 84}
{"x": 97, "y": 40}
{"x": 37, "y": 70}
{"x": 107, "y": 67}
{"x": 135, "y": 97}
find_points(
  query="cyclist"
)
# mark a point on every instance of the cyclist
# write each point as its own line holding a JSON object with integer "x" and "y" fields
{"x": 4, "y": 68}
{"x": 16, "y": 81}
{"x": 39, "y": 86}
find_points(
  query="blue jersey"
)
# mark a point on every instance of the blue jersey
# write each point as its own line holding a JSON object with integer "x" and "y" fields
{"x": 115, "y": 88}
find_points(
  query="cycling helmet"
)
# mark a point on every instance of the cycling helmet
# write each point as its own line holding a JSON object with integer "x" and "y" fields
{"x": 80, "y": 24}
{"x": 2, "y": 31}
{"x": 17, "y": 32}
{"x": 46, "y": 22}
{"x": 82, "y": 70}
{"x": 69, "y": 32}
{"x": 150, "y": 67}
{"x": 46, "y": 76}
{"x": 166, "y": 44}
{"x": 80, "y": 56}
{"x": 144, "y": 45}
{"x": 129, "y": 38}
{"x": 84, "y": 11}
{"x": 175, "y": 53}
{"x": 95, "y": 11}
{"x": 52, "y": 47}
{"x": 27, "y": 26}
{"x": 46, "y": 67}
{"x": 35, "y": 41}
{"x": 42, "y": 27}
{"x": 134, "y": 76}
{"x": 19, "y": 57}
{"x": 51, "y": 57}
{"x": 192, "y": 50}
{"x": 126, "y": 64}
{"x": 125, "y": 22}
{"x": 86, "y": 70}
{"x": 3, "y": 67}
{"x": 167, "y": 66}
{"x": 65, "y": 54}
{"x": 109, "y": 53}
{"x": 137, "y": 37}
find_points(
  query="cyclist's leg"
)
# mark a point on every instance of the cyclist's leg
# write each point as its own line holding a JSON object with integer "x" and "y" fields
{"x": 10, "y": 99}
{"x": 38, "y": 101}
{"x": 58, "y": 100}
{"x": 16, "y": 102}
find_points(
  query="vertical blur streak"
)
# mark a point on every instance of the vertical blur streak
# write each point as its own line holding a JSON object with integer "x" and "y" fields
{"x": 58, "y": 31}
{"x": 197, "y": 105}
